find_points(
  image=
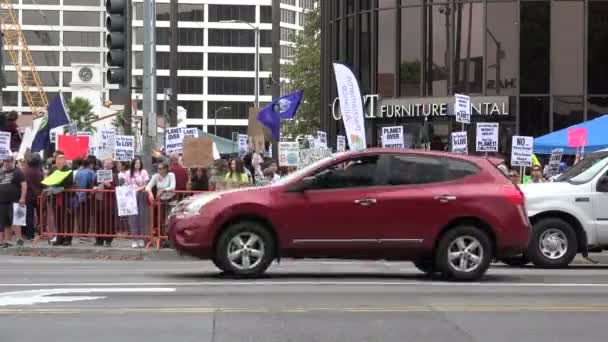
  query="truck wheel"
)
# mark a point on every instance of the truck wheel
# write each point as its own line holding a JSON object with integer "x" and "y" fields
{"x": 464, "y": 253}
{"x": 245, "y": 249}
{"x": 553, "y": 243}
{"x": 516, "y": 261}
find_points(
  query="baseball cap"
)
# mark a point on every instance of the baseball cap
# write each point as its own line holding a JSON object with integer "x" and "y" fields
{"x": 9, "y": 156}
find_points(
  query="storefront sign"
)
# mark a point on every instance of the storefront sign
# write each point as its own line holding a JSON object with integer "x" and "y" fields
{"x": 460, "y": 142}
{"x": 392, "y": 137}
{"x": 521, "y": 151}
{"x": 425, "y": 106}
{"x": 487, "y": 137}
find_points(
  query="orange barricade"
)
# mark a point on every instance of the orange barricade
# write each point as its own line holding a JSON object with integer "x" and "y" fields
{"x": 165, "y": 201}
{"x": 93, "y": 213}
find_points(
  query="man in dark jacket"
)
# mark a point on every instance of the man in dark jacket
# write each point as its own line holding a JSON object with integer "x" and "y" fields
{"x": 12, "y": 190}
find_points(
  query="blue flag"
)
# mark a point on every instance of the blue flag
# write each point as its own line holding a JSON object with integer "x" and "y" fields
{"x": 56, "y": 116}
{"x": 282, "y": 108}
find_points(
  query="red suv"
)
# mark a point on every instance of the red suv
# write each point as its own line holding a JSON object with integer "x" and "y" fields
{"x": 447, "y": 213}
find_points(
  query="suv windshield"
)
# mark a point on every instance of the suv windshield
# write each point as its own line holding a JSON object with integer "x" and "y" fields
{"x": 300, "y": 172}
{"x": 585, "y": 170}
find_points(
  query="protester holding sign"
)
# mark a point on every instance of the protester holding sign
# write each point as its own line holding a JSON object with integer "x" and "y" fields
{"x": 164, "y": 183}
{"x": 138, "y": 177}
{"x": 105, "y": 209}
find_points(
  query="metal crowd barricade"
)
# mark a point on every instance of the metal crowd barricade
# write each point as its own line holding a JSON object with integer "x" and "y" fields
{"x": 91, "y": 213}
{"x": 165, "y": 202}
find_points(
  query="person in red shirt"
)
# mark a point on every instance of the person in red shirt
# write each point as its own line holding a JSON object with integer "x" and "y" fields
{"x": 181, "y": 174}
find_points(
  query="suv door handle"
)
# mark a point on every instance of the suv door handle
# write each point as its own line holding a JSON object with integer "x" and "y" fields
{"x": 366, "y": 202}
{"x": 444, "y": 198}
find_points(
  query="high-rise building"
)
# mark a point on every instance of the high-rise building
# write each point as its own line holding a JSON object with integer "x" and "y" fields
{"x": 215, "y": 61}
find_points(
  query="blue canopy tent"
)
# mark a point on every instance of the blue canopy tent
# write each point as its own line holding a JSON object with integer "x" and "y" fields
{"x": 597, "y": 138}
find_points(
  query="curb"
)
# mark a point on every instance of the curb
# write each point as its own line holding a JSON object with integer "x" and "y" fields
{"x": 107, "y": 253}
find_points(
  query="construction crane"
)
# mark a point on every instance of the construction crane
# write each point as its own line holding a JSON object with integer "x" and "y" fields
{"x": 26, "y": 69}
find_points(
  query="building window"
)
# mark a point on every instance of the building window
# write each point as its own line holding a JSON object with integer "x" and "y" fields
{"x": 67, "y": 79}
{"x": 191, "y": 12}
{"x": 91, "y": 19}
{"x": 534, "y": 116}
{"x": 289, "y": 2}
{"x": 302, "y": 19}
{"x": 49, "y": 78}
{"x": 597, "y": 106}
{"x": 231, "y": 61}
{"x": 227, "y": 131}
{"x": 287, "y": 34}
{"x": 231, "y": 12}
{"x": 11, "y": 78}
{"x": 468, "y": 56}
{"x": 92, "y": 39}
{"x": 287, "y": 52}
{"x": 534, "y": 49}
{"x": 163, "y": 12}
{"x": 567, "y": 111}
{"x": 240, "y": 38}
{"x": 40, "y": 17}
{"x": 307, "y": 4}
{"x": 190, "y": 85}
{"x": 70, "y": 57}
{"x": 44, "y": 38}
{"x": 231, "y": 86}
{"x": 39, "y": 2}
{"x": 410, "y": 66}
{"x": 265, "y": 38}
{"x": 191, "y": 37}
{"x": 598, "y": 53}
{"x": 437, "y": 69}
{"x": 194, "y": 109}
{"x": 288, "y": 16}
{"x": 238, "y": 110}
{"x": 163, "y": 36}
{"x": 45, "y": 58}
{"x": 266, "y": 14}
{"x": 79, "y": 2}
{"x": 190, "y": 61}
{"x": 501, "y": 48}
{"x": 10, "y": 98}
{"x": 567, "y": 48}
{"x": 265, "y": 62}
{"x": 163, "y": 61}
{"x": 386, "y": 52}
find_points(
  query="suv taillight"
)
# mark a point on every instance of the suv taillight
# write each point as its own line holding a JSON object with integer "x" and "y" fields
{"x": 513, "y": 194}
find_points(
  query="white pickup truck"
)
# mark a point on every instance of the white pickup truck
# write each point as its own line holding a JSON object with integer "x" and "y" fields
{"x": 569, "y": 216}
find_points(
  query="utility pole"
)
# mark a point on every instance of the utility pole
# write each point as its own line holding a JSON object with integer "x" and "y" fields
{"x": 149, "y": 93}
{"x": 173, "y": 62}
{"x": 128, "y": 113}
{"x": 2, "y": 79}
{"x": 275, "y": 79}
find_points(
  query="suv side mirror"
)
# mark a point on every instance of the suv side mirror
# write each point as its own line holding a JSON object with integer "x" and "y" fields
{"x": 303, "y": 185}
{"x": 602, "y": 184}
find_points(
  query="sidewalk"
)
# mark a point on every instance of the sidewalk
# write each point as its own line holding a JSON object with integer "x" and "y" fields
{"x": 85, "y": 249}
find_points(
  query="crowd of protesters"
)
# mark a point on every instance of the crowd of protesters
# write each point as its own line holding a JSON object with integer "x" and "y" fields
{"x": 89, "y": 209}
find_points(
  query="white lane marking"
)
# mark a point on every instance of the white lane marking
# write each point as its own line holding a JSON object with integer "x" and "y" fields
{"x": 51, "y": 295}
{"x": 318, "y": 283}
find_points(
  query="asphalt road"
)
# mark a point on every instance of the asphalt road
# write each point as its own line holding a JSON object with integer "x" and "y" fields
{"x": 44, "y": 299}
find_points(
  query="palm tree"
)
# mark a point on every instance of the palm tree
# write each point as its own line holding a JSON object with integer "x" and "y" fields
{"x": 80, "y": 111}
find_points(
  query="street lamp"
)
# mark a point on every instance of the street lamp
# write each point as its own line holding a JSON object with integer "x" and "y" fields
{"x": 217, "y": 111}
{"x": 256, "y": 29}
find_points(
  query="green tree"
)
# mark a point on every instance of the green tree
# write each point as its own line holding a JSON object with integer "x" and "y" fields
{"x": 119, "y": 122}
{"x": 305, "y": 73}
{"x": 80, "y": 111}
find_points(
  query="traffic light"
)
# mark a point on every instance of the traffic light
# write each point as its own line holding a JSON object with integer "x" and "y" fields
{"x": 117, "y": 41}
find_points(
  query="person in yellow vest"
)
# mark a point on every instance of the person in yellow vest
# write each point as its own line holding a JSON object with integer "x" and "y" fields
{"x": 59, "y": 179}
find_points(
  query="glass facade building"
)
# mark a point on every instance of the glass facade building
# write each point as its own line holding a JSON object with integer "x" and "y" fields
{"x": 532, "y": 66}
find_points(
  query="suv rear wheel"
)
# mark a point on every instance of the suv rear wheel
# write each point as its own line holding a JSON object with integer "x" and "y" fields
{"x": 553, "y": 244}
{"x": 464, "y": 253}
{"x": 245, "y": 249}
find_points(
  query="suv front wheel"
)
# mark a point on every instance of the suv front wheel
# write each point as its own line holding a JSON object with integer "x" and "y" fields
{"x": 553, "y": 243}
{"x": 244, "y": 249}
{"x": 464, "y": 253}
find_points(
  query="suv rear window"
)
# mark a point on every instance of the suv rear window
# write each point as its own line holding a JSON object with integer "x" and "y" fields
{"x": 409, "y": 169}
{"x": 457, "y": 169}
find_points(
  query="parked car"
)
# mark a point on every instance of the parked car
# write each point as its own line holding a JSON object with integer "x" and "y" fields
{"x": 569, "y": 215}
{"x": 448, "y": 213}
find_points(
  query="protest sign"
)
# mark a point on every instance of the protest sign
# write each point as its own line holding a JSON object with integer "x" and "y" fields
{"x": 126, "y": 200}
{"x": 521, "y": 151}
{"x": 254, "y": 127}
{"x": 289, "y": 153}
{"x": 462, "y": 108}
{"x": 392, "y": 137}
{"x": 577, "y": 137}
{"x": 198, "y": 152}
{"x": 124, "y": 149}
{"x": 103, "y": 176}
{"x": 73, "y": 147}
{"x": 340, "y": 143}
{"x": 106, "y": 144}
{"x": 487, "y": 137}
{"x": 19, "y": 215}
{"x": 190, "y": 133}
{"x": 321, "y": 139}
{"x": 243, "y": 144}
{"x": 460, "y": 143}
{"x": 92, "y": 149}
{"x": 174, "y": 140}
{"x": 553, "y": 168}
{"x": 5, "y": 144}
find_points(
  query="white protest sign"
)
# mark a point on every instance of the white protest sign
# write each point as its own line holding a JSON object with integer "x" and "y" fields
{"x": 54, "y": 132}
{"x": 124, "y": 149}
{"x": 392, "y": 137}
{"x": 521, "y": 151}
{"x": 5, "y": 144}
{"x": 190, "y": 133}
{"x": 462, "y": 108}
{"x": 104, "y": 176}
{"x": 460, "y": 143}
{"x": 126, "y": 200}
{"x": 174, "y": 140}
{"x": 243, "y": 144}
{"x": 554, "y": 162}
{"x": 321, "y": 139}
{"x": 91, "y": 141}
{"x": 289, "y": 153}
{"x": 340, "y": 143}
{"x": 487, "y": 137}
{"x": 19, "y": 215}
{"x": 105, "y": 146}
